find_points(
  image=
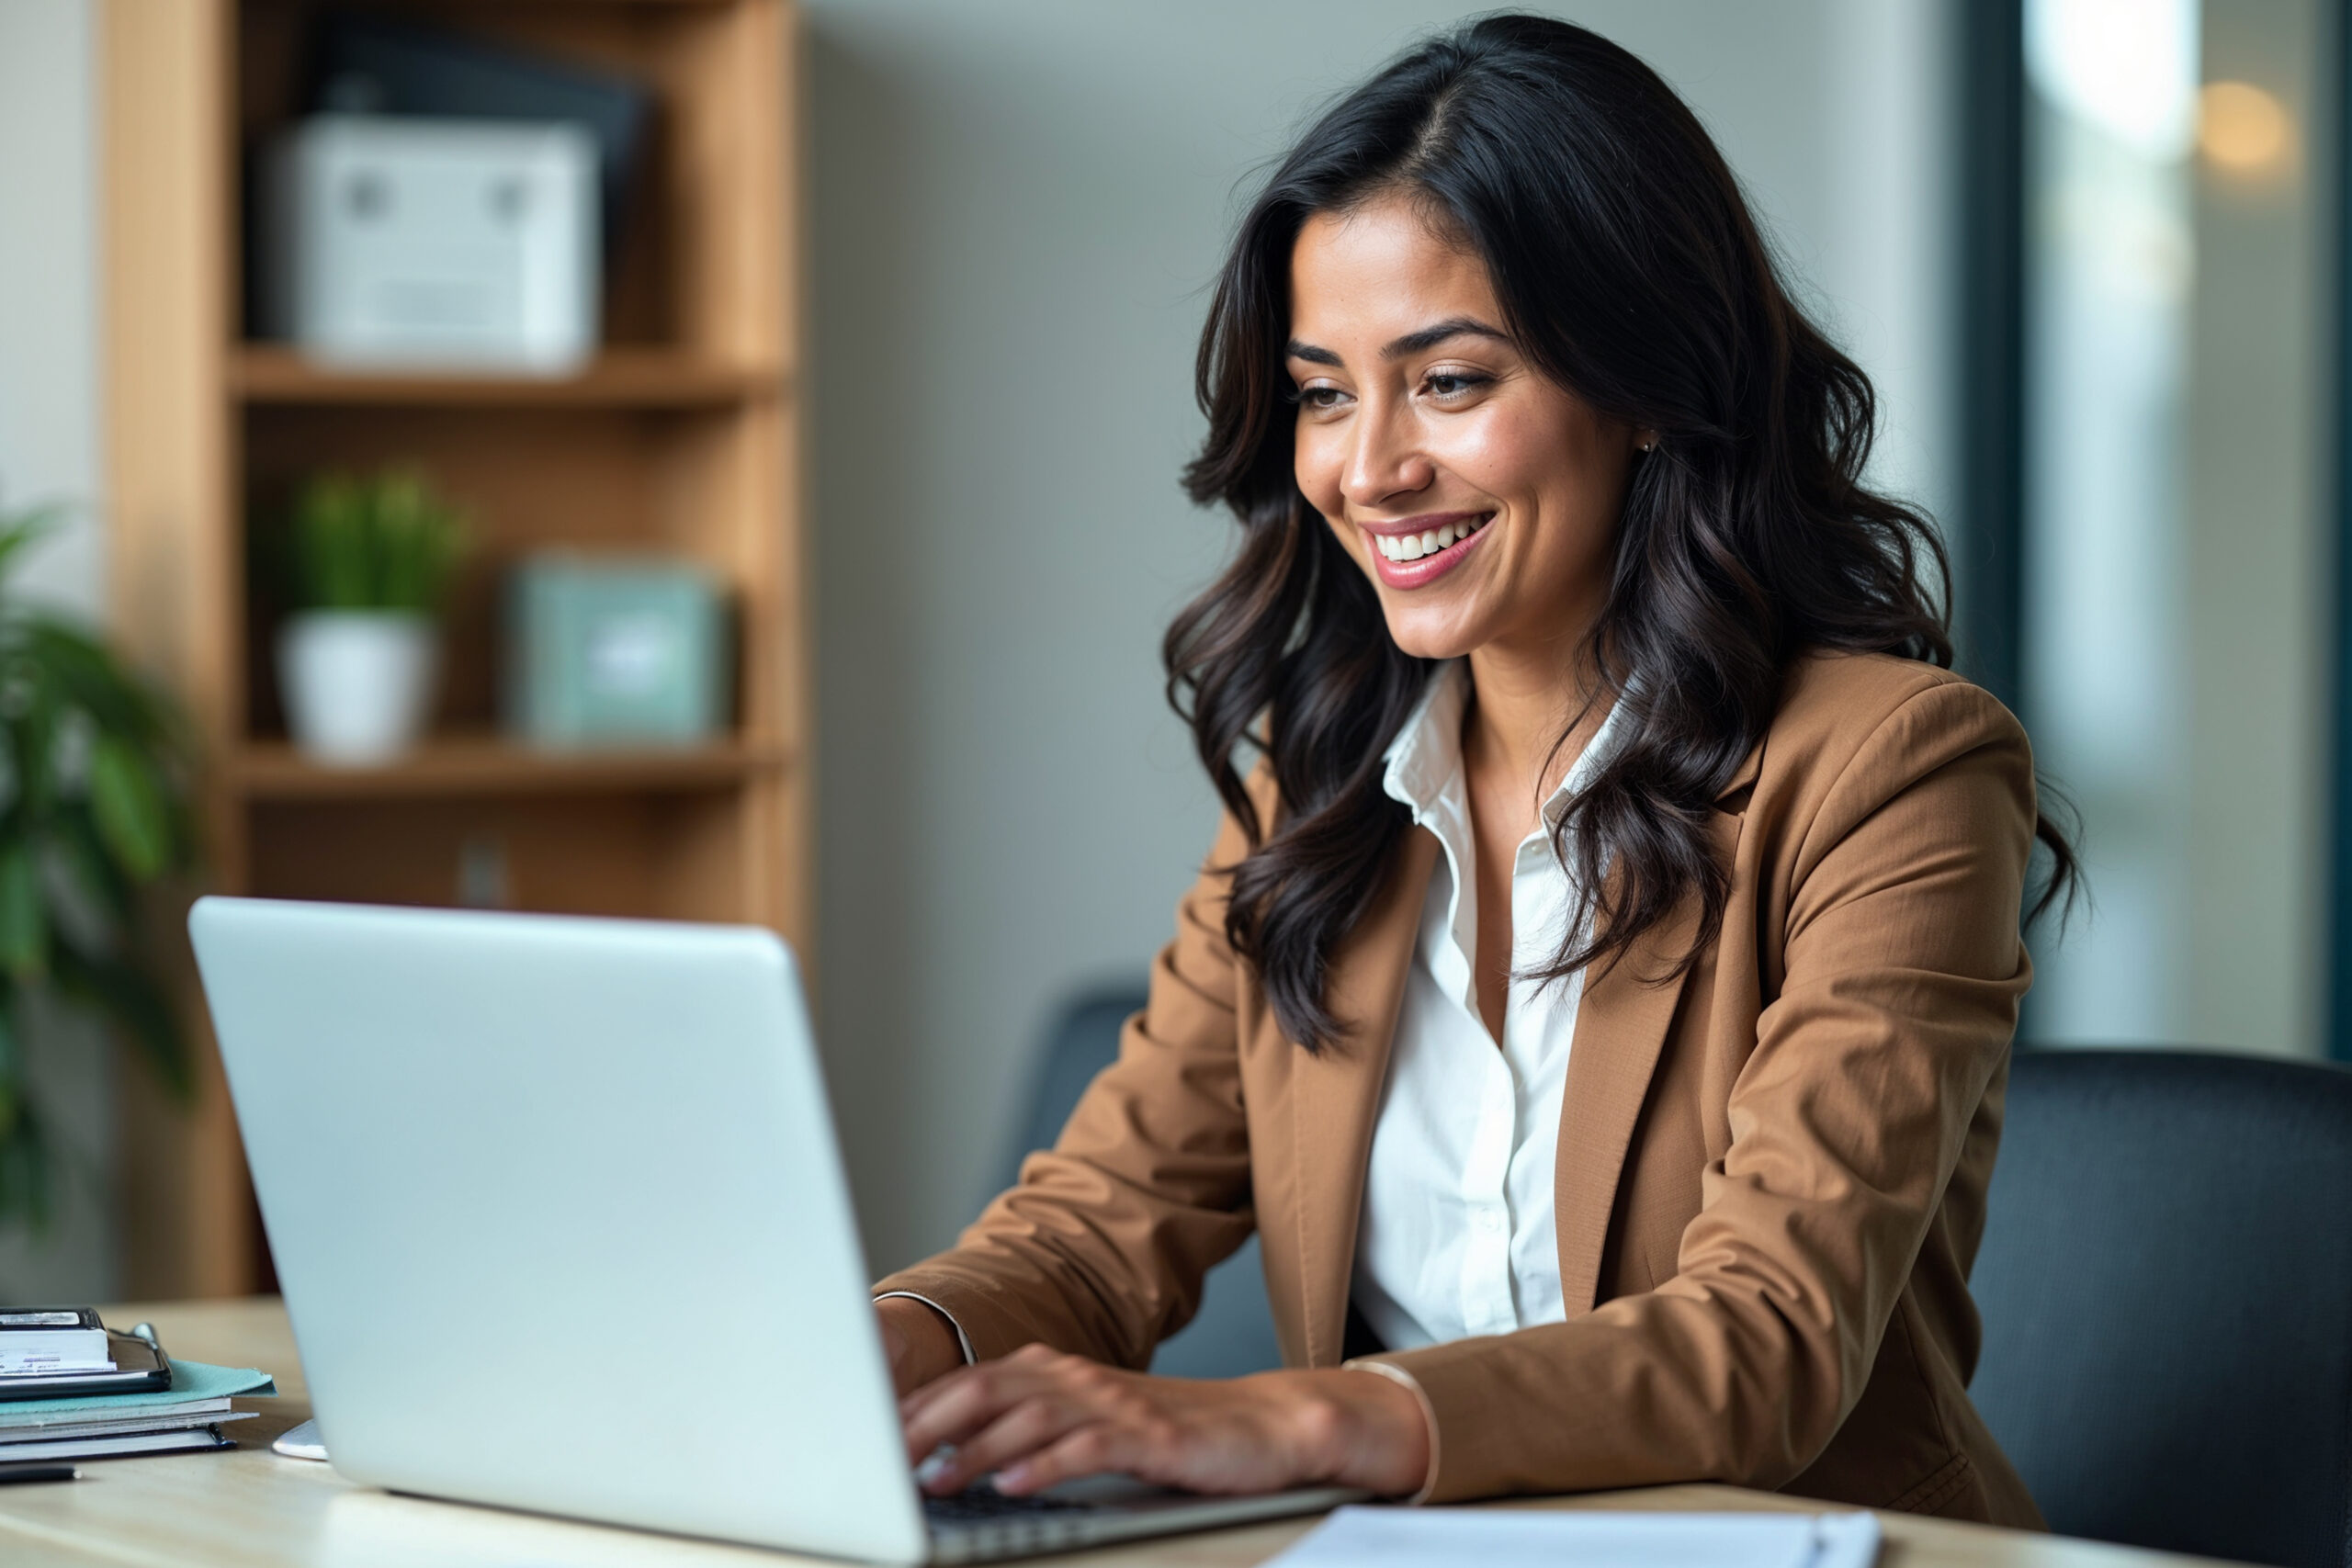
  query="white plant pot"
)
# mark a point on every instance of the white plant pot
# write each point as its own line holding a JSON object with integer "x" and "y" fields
{"x": 357, "y": 683}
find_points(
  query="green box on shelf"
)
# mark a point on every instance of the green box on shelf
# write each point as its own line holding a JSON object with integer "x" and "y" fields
{"x": 614, "y": 650}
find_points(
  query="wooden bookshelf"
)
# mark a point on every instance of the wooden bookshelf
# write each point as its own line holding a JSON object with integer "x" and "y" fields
{"x": 488, "y": 765}
{"x": 681, "y": 436}
{"x": 619, "y": 379}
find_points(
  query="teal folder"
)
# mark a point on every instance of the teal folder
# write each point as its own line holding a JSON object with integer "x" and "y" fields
{"x": 190, "y": 1381}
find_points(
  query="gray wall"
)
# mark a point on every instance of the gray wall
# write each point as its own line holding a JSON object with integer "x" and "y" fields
{"x": 49, "y": 363}
{"x": 1015, "y": 209}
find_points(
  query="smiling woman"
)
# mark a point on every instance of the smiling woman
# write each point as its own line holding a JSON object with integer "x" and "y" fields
{"x": 1600, "y": 996}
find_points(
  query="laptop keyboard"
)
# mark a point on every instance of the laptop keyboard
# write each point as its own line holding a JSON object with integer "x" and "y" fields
{"x": 985, "y": 1504}
{"x": 979, "y": 1525}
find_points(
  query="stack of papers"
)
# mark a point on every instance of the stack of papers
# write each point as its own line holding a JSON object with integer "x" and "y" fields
{"x": 187, "y": 1415}
{"x": 1524, "y": 1538}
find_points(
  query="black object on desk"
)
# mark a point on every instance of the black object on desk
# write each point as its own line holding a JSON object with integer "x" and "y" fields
{"x": 38, "y": 1470}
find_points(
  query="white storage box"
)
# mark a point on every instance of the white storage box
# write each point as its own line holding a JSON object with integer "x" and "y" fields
{"x": 433, "y": 243}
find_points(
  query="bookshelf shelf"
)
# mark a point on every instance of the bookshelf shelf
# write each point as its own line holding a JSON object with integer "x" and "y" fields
{"x": 487, "y": 766}
{"x": 681, "y": 438}
{"x": 619, "y": 379}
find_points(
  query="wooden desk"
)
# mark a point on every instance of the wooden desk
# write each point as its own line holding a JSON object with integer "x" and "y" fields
{"x": 255, "y": 1510}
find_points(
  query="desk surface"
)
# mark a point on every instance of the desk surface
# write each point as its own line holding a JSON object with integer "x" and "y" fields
{"x": 252, "y": 1507}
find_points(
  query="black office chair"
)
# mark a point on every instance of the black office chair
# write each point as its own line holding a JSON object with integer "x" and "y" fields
{"x": 2166, "y": 1286}
{"x": 1233, "y": 1334}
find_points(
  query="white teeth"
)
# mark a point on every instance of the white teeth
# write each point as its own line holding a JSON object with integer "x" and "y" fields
{"x": 1413, "y": 547}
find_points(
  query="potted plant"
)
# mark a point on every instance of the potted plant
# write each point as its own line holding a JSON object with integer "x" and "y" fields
{"x": 369, "y": 559}
{"x": 94, "y": 765}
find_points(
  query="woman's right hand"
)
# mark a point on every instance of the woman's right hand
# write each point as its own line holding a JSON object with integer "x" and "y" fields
{"x": 919, "y": 1340}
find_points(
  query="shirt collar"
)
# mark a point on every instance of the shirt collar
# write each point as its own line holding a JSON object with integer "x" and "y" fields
{"x": 1427, "y": 752}
{"x": 1424, "y": 762}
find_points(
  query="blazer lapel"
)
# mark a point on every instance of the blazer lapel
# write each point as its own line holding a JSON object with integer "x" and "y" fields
{"x": 1621, "y": 1025}
{"x": 1336, "y": 1093}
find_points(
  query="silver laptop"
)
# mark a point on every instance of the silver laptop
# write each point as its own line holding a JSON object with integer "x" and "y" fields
{"x": 561, "y": 1225}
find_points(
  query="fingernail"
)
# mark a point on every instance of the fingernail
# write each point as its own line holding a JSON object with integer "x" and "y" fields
{"x": 1013, "y": 1477}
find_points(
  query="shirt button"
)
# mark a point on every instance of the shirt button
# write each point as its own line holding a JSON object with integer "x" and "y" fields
{"x": 1491, "y": 1220}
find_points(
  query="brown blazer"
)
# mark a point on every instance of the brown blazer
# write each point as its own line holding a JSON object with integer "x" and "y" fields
{"x": 1771, "y": 1171}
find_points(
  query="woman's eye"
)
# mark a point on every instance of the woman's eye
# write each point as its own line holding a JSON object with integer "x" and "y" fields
{"x": 1446, "y": 385}
{"x": 1320, "y": 397}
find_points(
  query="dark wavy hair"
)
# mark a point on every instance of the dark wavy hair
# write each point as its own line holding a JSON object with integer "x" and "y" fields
{"x": 1630, "y": 271}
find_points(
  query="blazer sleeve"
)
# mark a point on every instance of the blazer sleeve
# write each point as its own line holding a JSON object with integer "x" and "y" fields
{"x": 1904, "y": 971}
{"x": 1100, "y": 1248}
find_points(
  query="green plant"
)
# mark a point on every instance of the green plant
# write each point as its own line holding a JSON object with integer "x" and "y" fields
{"x": 383, "y": 541}
{"x": 94, "y": 766}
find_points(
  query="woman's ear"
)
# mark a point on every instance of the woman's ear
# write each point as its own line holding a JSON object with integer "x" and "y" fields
{"x": 1644, "y": 439}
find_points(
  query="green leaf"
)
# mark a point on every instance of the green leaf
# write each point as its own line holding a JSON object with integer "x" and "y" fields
{"x": 12, "y": 1075}
{"x": 136, "y": 1006}
{"x": 24, "y": 529}
{"x": 24, "y": 1171}
{"x": 95, "y": 779}
{"x": 132, "y": 822}
{"x": 83, "y": 673}
{"x": 382, "y": 541}
{"x": 95, "y": 878}
{"x": 24, "y": 918}
{"x": 329, "y": 541}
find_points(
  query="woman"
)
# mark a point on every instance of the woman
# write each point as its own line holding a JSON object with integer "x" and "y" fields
{"x": 1598, "y": 996}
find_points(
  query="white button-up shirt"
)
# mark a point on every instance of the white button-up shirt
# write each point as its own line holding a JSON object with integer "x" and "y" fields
{"x": 1457, "y": 1234}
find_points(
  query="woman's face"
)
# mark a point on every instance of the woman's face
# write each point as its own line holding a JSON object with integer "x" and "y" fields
{"x": 1479, "y": 497}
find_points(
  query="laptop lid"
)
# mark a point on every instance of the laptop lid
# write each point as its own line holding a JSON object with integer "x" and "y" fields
{"x": 559, "y": 1218}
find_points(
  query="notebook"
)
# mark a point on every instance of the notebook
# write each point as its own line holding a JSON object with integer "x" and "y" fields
{"x": 1500, "y": 1538}
{"x": 187, "y": 1415}
{"x": 121, "y": 1447}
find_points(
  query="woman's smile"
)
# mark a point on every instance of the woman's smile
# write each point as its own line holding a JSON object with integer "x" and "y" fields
{"x": 1413, "y": 552}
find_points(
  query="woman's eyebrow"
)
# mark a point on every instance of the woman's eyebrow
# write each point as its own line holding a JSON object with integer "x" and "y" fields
{"x": 1428, "y": 337}
{"x": 1419, "y": 342}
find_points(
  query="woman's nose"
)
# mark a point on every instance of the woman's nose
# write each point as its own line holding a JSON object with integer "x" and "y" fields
{"x": 1384, "y": 459}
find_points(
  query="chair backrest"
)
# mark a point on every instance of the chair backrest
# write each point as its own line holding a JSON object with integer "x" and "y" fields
{"x": 1083, "y": 1041}
{"x": 2166, "y": 1288}
{"x": 1233, "y": 1332}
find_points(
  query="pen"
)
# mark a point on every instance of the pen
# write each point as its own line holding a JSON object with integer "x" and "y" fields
{"x": 37, "y": 1470}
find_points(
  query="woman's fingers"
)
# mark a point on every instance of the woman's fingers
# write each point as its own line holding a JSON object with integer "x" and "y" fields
{"x": 913, "y": 1406}
{"x": 1021, "y": 1430}
{"x": 957, "y": 1406}
{"x": 1038, "y": 1418}
{"x": 1087, "y": 1451}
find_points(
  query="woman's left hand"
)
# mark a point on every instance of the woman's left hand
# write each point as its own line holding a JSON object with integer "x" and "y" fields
{"x": 1037, "y": 1416}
